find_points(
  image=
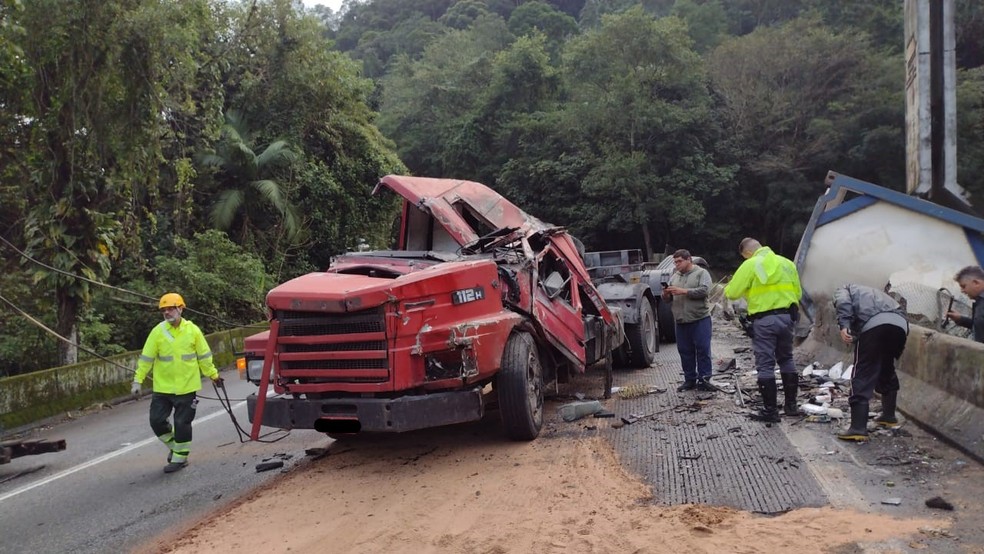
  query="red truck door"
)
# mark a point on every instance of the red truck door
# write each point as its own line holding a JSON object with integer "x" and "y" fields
{"x": 557, "y": 306}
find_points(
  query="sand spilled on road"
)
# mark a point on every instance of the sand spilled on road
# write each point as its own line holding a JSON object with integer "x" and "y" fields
{"x": 471, "y": 494}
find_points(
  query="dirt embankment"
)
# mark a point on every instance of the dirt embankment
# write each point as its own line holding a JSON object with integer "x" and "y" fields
{"x": 464, "y": 489}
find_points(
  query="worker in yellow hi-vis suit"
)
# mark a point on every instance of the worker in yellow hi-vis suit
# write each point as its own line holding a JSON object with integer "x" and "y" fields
{"x": 178, "y": 353}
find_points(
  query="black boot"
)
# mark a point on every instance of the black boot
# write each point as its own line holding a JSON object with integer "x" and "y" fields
{"x": 687, "y": 385}
{"x": 790, "y": 388}
{"x": 858, "y": 432}
{"x": 887, "y": 417}
{"x": 769, "y": 412}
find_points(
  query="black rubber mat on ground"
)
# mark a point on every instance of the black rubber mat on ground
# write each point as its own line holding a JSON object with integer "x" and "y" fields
{"x": 698, "y": 447}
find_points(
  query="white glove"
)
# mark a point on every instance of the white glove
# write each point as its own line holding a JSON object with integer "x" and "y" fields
{"x": 135, "y": 389}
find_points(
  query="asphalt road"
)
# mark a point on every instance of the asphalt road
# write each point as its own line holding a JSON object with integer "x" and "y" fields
{"x": 108, "y": 493}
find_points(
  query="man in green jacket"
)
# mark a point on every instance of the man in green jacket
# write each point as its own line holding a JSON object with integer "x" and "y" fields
{"x": 177, "y": 351}
{"x": 771, "y": 285}
{"x": 687, "y": 291}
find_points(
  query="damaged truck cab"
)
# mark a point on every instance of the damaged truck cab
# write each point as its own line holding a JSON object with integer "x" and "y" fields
{"x": 479, "y": 304}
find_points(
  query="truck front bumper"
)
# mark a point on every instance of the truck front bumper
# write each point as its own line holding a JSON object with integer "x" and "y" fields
{"x": 374, "y": 415}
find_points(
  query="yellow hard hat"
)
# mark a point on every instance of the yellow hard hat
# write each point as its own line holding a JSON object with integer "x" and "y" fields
{"x": 172, "y": 300}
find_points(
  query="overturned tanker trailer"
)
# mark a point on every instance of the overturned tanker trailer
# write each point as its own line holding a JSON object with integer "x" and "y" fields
{"x": 478, "y": 305}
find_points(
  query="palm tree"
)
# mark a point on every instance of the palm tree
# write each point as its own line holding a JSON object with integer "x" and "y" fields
{"x": 250, "y": 188}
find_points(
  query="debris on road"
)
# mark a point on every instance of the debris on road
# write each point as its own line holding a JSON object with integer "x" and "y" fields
{"x": 267, "y": 466}
{"x": 316, "y": 453}
{"x": 939, "y": 504}
{"x": 635, "y": 391}
{"x": 576, "y": 410}
{"x": 934, "y": 532}
{"x": 895, "y": 501}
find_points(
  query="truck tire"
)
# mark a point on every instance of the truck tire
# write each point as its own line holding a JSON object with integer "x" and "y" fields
{"x": 667, "y": 325}
{"x": 519, "y": 385}
{"x": 643, "y": 336}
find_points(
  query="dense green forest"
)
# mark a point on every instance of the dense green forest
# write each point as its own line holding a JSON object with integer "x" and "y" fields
{"x": 216, "y": 148}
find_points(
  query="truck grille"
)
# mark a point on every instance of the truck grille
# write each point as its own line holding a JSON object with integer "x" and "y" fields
{"x": 317, "y": 347}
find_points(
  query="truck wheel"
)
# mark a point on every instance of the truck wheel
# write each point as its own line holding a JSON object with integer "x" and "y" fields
{"x": 519, "y": 385}
{"x": 643, "y": 336}
{"x": 667, "y": 325}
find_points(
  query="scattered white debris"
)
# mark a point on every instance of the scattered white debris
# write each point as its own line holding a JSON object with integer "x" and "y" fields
{"x": 813, "y": 409}
{"x": 848, "y": 373}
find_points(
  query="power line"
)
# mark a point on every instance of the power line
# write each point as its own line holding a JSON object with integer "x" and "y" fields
{"x": 73, "y": 275}
{"x": 120, "y": 289}
{"x": 54, "y": 333}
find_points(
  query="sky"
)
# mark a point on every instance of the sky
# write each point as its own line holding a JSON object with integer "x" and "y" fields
{"x": 333, "y": 4}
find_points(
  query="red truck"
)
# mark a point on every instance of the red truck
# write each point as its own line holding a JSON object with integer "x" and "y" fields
{"x": 479, "y": 305}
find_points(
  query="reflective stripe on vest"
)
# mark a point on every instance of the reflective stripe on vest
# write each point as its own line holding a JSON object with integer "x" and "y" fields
{"x": 776, "y": 287}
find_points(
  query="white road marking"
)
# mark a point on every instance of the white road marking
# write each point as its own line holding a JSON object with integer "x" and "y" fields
{"x": 105, "y": 457}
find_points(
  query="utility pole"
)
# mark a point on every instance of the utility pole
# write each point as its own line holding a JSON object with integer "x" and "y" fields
{"x": 931, "y": 104}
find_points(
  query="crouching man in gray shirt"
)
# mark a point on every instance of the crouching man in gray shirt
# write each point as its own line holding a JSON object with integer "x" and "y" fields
{"x": 875, "y": 324}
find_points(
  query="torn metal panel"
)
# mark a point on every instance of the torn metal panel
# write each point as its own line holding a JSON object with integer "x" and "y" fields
{"x": 863, "y": 233}
{"x": 445, "y": 199}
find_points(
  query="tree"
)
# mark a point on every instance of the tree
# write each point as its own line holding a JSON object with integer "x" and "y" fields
{"x": 744, "y": 16}
{"x": 217, "y": 278}
{"x": 463, "y": 13}
{"x": 14, "y": 133}
{"x": 540, "y": 16}
{"x": 289, "y": 84}
{"x": 639, "y": 98}
{"x": 250, "y": 185}
{"x": 94, "y": 113}
{"x": 882, "y": 20}
{"x": 594, "y": 10}
{"x": 428, "y": 105}
{"x": 800, "y": 99}
{"x": 969, "y": 33}
{"x": 707, "y": 22}
{"x": 970, "y": 132}
{"x": 377, "y": 48}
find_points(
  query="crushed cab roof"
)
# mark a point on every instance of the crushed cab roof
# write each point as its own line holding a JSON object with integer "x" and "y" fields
{"x": 439, "y": 197}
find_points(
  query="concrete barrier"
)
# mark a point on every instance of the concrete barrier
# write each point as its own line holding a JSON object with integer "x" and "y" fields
{"x": 942, "y": 378}
{"x": 28, "y": 398}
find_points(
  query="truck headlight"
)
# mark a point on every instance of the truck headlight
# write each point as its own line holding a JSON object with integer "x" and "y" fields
{"x": 254, "y": 370}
